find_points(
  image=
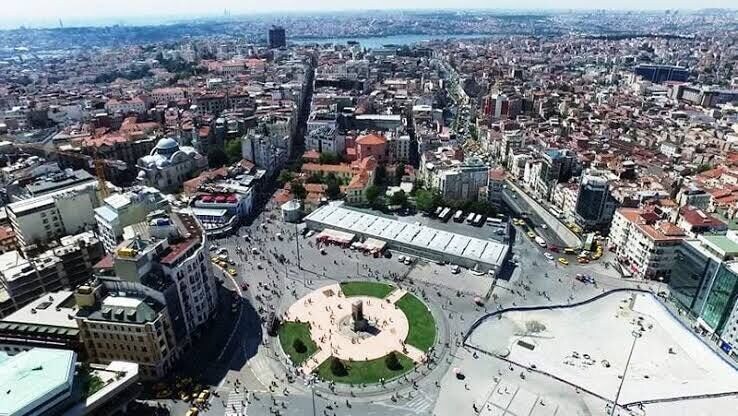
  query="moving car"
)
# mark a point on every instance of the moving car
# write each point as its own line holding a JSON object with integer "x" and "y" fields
{"x": 455, "y": 269}
{"x": 549, "y": 256}
{"x": 233, "y": 272}
{"x": 563, "y": 261}
{"x": 531, "y": 234}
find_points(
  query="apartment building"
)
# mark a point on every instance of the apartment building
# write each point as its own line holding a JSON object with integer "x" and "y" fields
{"x": 645, "y": 243}
{"x": 39, "y": 220}
{"x": 70, "y": 263}
{"x": 123, "y": 327}
{"x": 123, "y": 209}
{"x": 159, "y": 280}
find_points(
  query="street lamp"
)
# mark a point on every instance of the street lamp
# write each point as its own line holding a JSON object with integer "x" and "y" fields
{"x": 636, "y": 335}
{"x": 310, "y": 381}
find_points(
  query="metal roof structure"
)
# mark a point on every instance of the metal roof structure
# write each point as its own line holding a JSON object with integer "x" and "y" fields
{"x": 420, "y": 238}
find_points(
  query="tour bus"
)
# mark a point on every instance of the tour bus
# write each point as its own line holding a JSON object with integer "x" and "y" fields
{"x": 438, "y": 211}
{"x": 556, "y": 212}
{"x": 459, "y": 216}
{"x": 494, "y": 221}
{"x": 470, "y": 218}
{"x": 478, "y": 219}
{"x": 445, "y": 214}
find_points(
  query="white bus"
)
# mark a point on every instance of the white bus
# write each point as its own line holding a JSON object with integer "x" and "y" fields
{"x": 556, "y": 213}
{"x": 478, "y": 219}
{"x": 470, "y": 218}
{"x": 494, "y": 221}
{"x": 458, "y": 217}
{"x": 445, "y": 214}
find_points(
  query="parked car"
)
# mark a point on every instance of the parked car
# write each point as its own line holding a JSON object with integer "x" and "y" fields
{"x": 549, "y": 256}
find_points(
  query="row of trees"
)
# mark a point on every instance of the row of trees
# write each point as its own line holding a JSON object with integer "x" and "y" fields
{"x": 231, "y": 153}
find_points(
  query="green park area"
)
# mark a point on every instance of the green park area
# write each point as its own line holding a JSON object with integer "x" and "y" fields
{"x": 422, "y": 332}
{"x": 376, "y": 290}
{"x": 296, "y": 342}
{"x": 365, "y": 372}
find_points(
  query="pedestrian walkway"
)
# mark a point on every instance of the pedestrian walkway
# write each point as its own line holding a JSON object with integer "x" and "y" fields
{"x": 329, "y": 315}
{"x": 237, "y": 404}
{"x": 396, "y": 295}
{"x": 313, "y": 362}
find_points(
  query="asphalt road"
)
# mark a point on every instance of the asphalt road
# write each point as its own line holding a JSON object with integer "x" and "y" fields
{"x": 248, "y": 368}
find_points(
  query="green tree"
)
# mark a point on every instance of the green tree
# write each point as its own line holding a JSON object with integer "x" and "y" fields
{"x": 424, "y": 200}
{"x": 298, "y": 190}
{"x": 399, "y": 173}
{"x": 329, "y": 158}
{"x": 233, "y": 150}
{"x": 392, "y": 362}
{"x": 316, "y": 177}
{"x": 399, "y": 198}
{"x": 338, "y": 368}
{"x": 299, "y": 346}
{"x": 217, "y": 157}
{"x": 285, "y": 176}
{"x": 380, "y": 177}
{"x": 372, "y": 194}
{"x": 703, "y": 167}
{"x": 333, "y": 189}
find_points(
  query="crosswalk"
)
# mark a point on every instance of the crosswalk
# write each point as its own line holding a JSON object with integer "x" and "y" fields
{"x": 419, "y": 405}
{"x": 237, "y": 404}
{"x": 260, "y": 366}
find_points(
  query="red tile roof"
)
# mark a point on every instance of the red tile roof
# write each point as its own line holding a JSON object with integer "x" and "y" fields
{"x": 371, "y": 139}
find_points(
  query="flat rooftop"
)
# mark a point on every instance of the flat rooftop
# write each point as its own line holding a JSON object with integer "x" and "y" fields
{"x": 52, "y": 309}
{"x": 420, "y": 237}
{"x": 32, "y": 377}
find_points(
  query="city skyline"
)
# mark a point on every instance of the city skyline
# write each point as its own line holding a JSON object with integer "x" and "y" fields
{"x": 43, "y": 13}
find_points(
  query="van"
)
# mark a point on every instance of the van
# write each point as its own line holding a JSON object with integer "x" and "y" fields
{"x": 569, "y": 250}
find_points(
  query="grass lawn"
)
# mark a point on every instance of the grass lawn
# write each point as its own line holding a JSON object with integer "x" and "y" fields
{"x": 288, "y": 333}
{"x": 365, "y": 371}
{"x": 377, "y": 290}
{"x": 422, "y": 332}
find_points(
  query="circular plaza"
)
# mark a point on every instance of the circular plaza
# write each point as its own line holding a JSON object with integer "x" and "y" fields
{"x": 357, "y": 332}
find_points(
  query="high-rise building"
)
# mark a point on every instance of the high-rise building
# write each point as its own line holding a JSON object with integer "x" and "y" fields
{"x": 151, "y": 296}
{"x": 595, "y": 206}
{"x": 661, "y": 73}
{"x": 277, "y": 37}
{"x": 704, "y": 283}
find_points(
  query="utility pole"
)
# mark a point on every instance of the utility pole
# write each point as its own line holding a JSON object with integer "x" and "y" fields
{"x": 636, "y": 335}
{"x": 297, "y": 245}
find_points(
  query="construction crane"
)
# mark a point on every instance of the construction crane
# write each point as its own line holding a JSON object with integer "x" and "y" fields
{"x": 99, "y": 164}
{"x": 102, "y": 184}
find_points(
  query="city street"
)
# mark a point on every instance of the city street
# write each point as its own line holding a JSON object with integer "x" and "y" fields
{"x": 250, "y": 368}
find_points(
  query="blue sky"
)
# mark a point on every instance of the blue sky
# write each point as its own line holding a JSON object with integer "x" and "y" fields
{"x": 29, "y": 10}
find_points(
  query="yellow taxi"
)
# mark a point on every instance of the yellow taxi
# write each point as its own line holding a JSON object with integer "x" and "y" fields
{"x": 563, "y": 261}
{"x": 233, "y": 272}
{"x": 531, "y": 234}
